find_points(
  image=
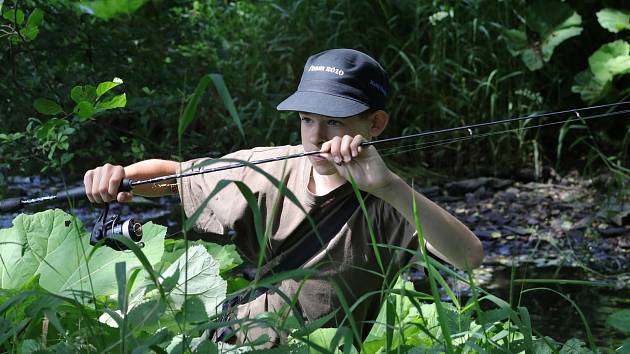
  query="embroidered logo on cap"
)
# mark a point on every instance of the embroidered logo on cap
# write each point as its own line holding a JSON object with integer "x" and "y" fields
{"x": 330, "y": 69}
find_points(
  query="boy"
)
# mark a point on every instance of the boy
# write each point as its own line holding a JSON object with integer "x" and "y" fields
{"x": 341, "y": 101}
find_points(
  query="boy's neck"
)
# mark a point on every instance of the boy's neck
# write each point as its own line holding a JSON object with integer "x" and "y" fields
{"x": 324, "y": 184}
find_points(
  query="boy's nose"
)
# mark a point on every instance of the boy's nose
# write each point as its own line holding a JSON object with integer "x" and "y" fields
{"x": 318, "y": 135}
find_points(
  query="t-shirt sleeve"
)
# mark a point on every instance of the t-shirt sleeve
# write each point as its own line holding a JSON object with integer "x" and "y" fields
{"x": 200, "y": 195}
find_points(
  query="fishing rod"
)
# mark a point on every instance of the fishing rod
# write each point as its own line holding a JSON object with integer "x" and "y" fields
{"x": 127, "y": 185}
{"x": 106, "y": 227}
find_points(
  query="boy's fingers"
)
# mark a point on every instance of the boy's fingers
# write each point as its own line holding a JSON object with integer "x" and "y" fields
{"x": 356, "y": 141}
{"x": 334, "y": 149}
{"x": 345, "y": 150}
{"x": 124, "y": 197}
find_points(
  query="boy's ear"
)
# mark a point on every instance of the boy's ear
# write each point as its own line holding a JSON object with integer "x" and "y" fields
{"x": 378, "y": 122}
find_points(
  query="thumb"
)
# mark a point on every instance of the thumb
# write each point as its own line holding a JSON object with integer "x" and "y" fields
{"x": 124, "y": 197}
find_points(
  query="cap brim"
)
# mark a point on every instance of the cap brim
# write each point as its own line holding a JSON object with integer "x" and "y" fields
{"x": 322, "y": 103}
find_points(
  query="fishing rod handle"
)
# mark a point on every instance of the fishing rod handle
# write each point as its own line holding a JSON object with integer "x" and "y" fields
{"x": 125, "y": 185}
{"x": 79, "y": 192}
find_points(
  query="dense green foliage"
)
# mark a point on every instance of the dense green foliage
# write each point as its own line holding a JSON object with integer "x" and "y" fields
{"x": 163, "y": 297}
{"x": 450, "y": 63}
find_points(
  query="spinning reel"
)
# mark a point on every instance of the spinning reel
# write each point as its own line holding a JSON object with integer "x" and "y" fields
{"x": 106, "y": 228}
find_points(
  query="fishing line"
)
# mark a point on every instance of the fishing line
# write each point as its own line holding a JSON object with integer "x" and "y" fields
{"x": 127, "y": 185}
{"x": 433, "y": 143}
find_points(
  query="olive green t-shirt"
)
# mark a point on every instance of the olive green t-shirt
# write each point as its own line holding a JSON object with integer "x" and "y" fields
{"x": 348, "y": 260}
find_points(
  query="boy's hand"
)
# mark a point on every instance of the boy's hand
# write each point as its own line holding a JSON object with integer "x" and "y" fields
{"x": 101, "y": 184}
{"x": 363, "y": 162}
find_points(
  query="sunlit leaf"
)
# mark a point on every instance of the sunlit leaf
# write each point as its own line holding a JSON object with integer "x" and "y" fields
{"x": 226, "y": 255}
{"x": 14, "y": 16}
{"x": 31, "y": 30}
{"x": 62, "y": 248}
{"x": 106, "y": 9}
{"x": 118, "y": 101}
{"x": 614, "y": 20}
{"x": 103, "y": 87}
{"x": 201, "y": 273}
{"x": 609, "y": 60}
{"x": 46, "y": 106}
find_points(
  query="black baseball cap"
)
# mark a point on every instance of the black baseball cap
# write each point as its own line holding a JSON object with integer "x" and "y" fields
{"x": 339, "y": 83}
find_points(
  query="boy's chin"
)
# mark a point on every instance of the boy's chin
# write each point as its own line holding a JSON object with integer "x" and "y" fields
{"x": 324, "y": 168}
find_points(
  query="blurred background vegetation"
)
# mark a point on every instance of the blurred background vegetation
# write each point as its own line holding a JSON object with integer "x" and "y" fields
{"x": 450, "y": 63}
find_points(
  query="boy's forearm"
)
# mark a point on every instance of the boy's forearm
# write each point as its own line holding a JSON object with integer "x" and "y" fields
{"x": 149, "y": 169}
{"x": 442, "y": 231}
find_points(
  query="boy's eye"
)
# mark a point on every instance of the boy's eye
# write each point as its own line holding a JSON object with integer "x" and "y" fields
{"x": 334, "y": 123}
{"x": 306, "y": 120}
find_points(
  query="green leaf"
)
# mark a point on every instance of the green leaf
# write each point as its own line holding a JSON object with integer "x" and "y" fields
{"x": 202, "y": 278}
{"x": 191, "y": 107}
{"x": 46, "y": 106}
{"x": 16, "y": 266}
{"x": 31, "y": 346}
{"x": 26, "y": 244}
{"x": 69, "y": 256}
{"x": 620, "y": 320}
{"x": 13, "y": 16}
{"x": 226, "y": 255}
{"x": 85, "y": 110}
{"x": 118, "y": 101}
{"x": 146, "y": 313}
{"x": 35, "y": 18}
{"x": 574, "y": 346}
{"x": 553, "y": 21}
{"x": 589, "y": 88}
{"x": 49, "y": 128}
{"x": 228, "y": 102}
{"x": 567, "y": 29}
{"x": 103, "y": 87}
{"x": 83, "y": 93}
{"x": 106, "y": 9}
{"x": 31, "y": 30}
{"x": 609, "y": 60}
{"x": 1, "y": 2}
{"x": 614, "y": 20}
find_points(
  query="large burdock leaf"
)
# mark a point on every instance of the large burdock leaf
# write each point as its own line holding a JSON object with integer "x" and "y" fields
{"x": 203, "y": 281}
{"x": 26, "y": 244}
{"x": 69, "y": 268}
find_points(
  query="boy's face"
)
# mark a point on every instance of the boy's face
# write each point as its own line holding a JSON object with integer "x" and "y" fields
{"x": 317, "y": 129}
